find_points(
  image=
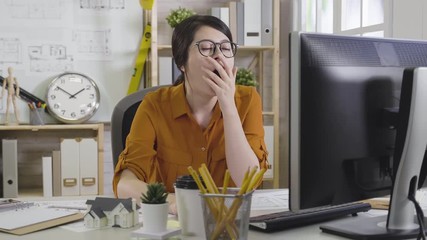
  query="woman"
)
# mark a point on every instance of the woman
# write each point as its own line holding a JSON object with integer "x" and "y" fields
{"x": 203, "y": 118}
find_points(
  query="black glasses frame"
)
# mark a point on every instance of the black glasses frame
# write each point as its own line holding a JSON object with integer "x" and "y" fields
{"x": 218, "y": 45}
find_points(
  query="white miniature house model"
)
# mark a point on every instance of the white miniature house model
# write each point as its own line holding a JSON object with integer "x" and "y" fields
{"x": 111, "y": 212}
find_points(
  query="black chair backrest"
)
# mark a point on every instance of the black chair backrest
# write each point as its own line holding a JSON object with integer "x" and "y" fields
{"x": 121, "y": 120}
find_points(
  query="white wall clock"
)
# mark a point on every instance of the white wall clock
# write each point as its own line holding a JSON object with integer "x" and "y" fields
{"x": 72, "y": 97}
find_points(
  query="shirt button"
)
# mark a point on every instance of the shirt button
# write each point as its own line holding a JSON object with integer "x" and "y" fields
{"x": 203, "y": 149}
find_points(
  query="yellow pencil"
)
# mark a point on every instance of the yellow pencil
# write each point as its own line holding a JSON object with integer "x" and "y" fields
{"x": 224, "y": 191}
{"x": 209, "y": 178}
{"x": 210, "y": 186}
{"x": 256, "y": 180}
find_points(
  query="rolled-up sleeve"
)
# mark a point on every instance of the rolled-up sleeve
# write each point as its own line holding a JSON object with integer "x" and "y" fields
{"x": 139, "y": 153}
{"x": 254, "y": 128}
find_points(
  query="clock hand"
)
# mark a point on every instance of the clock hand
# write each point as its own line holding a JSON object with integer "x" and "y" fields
{"x": 74, "y": 95}
{"x": 65, "y": 92}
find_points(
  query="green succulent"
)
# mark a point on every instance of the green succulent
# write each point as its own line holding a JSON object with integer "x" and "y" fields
{"x": 178, "y": 15}
{"x": 156, "y": 194}
{"x": 245, "y": 77}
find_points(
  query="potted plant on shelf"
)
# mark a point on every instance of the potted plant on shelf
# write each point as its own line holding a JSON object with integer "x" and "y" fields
{"x": 178, "y": 15}
{"x": 245, "y": 77}
{"x": 154, "y": 208}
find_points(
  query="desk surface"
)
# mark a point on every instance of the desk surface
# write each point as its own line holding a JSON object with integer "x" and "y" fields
{"x": 308, "y": 232}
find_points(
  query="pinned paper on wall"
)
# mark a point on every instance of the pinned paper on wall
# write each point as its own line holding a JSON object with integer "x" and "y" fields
{"x": 41, "y": 39}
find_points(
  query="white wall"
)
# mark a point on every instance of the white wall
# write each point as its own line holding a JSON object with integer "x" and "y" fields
{"x": 409, "y": 19}
{"x": 41, "y": 39}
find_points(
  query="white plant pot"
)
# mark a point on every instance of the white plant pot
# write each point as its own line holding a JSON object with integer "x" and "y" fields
{"x": 154, "y": 217}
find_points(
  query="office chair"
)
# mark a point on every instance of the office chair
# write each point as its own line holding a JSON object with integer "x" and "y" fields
{"x": 121, "y": 120}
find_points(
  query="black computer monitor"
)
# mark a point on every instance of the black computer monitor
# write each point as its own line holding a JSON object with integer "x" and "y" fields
{"x": 344, "y": 104}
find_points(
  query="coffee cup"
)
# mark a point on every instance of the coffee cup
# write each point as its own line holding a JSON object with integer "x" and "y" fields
{"x": 189, "y": 207}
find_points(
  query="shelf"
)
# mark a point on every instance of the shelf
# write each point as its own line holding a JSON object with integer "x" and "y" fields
{"x": 247, "y": 48}
{"x": 268, "y": 113}
{"x": 167, "y": 49}
{"x": 30, "y": 192}
{"x": 50, "y": 127}
{"x": 35, "y": 141}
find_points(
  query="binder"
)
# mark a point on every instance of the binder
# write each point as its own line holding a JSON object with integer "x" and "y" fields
{"x": 269, "y": 142}
{"x": 88, "y": 156}
{"x": 232, "y": 6}
{"x": 252, "y": 22}
{"x": 221, "y": 13}
{"x": 165, "y": 70}
{"x": 267, "y": 23}
{"x": 47, "y": 176}
{"x": 10, "y": 168}
{"x": 70, "y": 167}
{"x": 225, "y": 16}
{"x": 175, "y": 71}
{"x": 56, "y": 173}
{"x": 240, "y": 15}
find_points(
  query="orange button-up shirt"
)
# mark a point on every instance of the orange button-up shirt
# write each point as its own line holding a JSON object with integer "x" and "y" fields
{"x": 165, "y": 139}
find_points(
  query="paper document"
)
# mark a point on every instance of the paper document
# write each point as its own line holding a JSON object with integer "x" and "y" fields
{"x": 270, "y": 199}
{"x": 66, "y": 204}
{"x": 421, "y": 196}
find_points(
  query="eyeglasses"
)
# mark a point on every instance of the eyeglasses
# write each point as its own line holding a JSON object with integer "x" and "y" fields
{"x": 208, "y": 48}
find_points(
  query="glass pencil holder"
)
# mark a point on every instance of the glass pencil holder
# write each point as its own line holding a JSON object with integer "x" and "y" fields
{"x": 37, "y": 116}
{"x": 226, "y": 216}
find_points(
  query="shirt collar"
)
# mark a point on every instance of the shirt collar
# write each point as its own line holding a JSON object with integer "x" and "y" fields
{"x": 180, "y": 102}
{"x": 181, "y": 106}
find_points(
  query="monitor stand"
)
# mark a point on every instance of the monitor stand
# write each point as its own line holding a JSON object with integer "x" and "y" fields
{"x": 367, "y": 228}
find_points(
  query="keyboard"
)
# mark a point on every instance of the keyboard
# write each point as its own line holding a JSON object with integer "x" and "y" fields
{"x": 288, "y": 219}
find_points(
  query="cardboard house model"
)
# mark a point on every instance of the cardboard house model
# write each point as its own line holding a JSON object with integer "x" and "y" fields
{"x": 111, "y": 212}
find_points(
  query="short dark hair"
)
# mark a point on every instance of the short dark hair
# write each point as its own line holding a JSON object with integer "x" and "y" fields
{"x": 183, "y": 36}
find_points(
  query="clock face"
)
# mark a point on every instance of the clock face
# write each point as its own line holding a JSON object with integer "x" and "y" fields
{"x": 72, "y": 98}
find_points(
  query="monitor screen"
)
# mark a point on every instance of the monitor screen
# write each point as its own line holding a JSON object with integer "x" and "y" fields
{"x": 344, "y": 99}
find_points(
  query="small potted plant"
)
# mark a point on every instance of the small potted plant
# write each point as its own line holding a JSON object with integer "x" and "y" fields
{"x": 178, "y": 15}
{"x": 155, "y": 208}
{"x": 245, "y": 77}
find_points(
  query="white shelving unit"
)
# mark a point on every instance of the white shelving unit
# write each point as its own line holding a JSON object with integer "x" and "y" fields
{"x": 35, "y": 141}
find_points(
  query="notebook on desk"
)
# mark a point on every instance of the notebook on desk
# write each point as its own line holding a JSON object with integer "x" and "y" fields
{"x": 20, "y": 218}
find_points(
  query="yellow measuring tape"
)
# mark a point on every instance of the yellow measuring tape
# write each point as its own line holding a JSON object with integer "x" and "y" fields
{"x": 144, "y": 46}
{"x": 146, "y": 4}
